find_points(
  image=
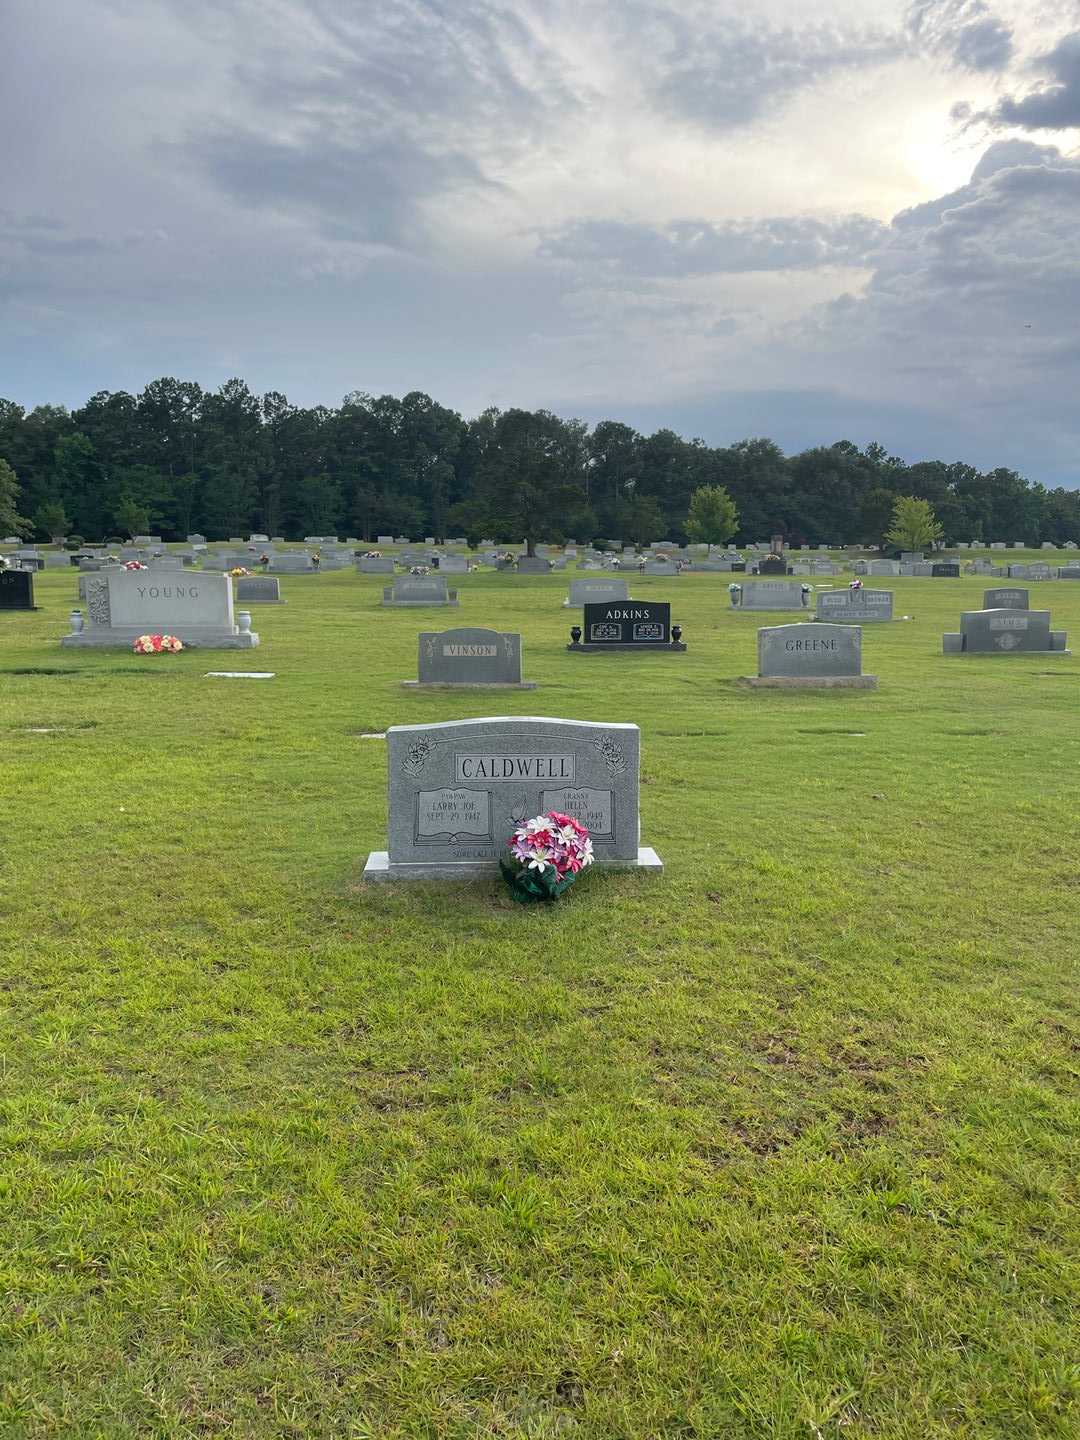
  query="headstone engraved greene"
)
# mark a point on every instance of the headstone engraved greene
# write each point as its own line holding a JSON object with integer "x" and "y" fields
{"x": 124, "y": 604}
{"x": 470, "y": 657}
{"x": 811, "y": 655}
{"x": 457, "y": 790}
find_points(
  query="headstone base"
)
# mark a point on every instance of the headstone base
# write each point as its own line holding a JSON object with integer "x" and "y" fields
{"x": 380, "y": 869}
{"x": 468, "y": 684}
{"x": 123, "y": 637}
{"x": 811, "y": 682}
{"x": 952, "y": 643}
{"x": 641, "y": 647}
{"x": 422, "y": 604}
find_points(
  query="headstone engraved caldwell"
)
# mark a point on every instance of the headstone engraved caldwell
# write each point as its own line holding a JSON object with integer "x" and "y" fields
{"x": 768, "y": 595}
{"x": 259, "y": 590}
{"x": 642, "y": 626}
{"x": 124, "y": 604}
{"x": 1005, "y": 599}
{"x": 596, "y": 592}
{"x": 419, "y": 590}
{"x": 1005, "y": 632}
{"x": 854, "y": 607}
{"x": 811, "y": 656}
{"x": 17, "y": 590}
{"x": 469, "y": 657}
{"x": 458, "y": 789}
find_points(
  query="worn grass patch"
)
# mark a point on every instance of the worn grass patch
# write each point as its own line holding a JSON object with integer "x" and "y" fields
{"x": 782, "y": 1144}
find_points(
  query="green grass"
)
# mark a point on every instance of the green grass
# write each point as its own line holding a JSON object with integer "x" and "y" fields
{"x": 781, "y": 1144}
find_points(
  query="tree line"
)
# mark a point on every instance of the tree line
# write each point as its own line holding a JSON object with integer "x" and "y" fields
{"x": 176, "y": 459}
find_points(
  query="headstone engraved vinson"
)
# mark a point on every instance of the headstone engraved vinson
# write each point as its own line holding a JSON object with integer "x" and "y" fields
{"x": 854, "y": 607}
{"x": 17, "y": 590}
{"x": 470, "y": 657}
{"x": 124, "y": 604}
{"x": 643, "y": 626}
{"x": 813, "y": 656}
{"x": 1005, "y": 632}
{"x": 458, "y": 789}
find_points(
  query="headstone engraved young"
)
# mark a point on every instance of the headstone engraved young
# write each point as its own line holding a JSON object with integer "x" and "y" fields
{"x": 458, "y": 789}
{"x": 1005, "y": 632}
{"x": 1006, "y": 599}
{"x": 854, "y": 607}
{"x": 17, "y": 590}
{"x": 416, "y": 590}
{"x": 259, "y": 590}
{"x": 124, "y": 604}
{"x": 596, "y": 592}
{"x": 811, "y": 656}
{"x": 639, "y": 626}
{"x": 768, "y": 595}
{"x": 469, "y": 657}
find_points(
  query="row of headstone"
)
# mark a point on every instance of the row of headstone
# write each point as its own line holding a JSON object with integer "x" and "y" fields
{"x": 1006, "y": 625}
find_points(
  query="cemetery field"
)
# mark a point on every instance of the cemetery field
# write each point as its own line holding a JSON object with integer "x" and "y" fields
{"x": 782, "y": 1143}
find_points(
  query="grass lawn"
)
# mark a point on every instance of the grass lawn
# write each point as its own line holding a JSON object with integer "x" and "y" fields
{"x": 780, "y": 1144}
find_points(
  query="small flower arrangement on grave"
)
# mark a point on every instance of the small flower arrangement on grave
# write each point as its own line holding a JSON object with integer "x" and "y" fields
{"x": 238, "y": 572}
{"x": 734, "y": 588}
{"x": 157, "y": 645}
{"x": 264, "y": 559}
{"x": 855, "y": 584}
{"x": 134, "y": 565}
{"x": 807, "y": 589}
{"x": 419, "y": 569}
{"x": 547, "y": 854}
{"x": 372, "y": 555}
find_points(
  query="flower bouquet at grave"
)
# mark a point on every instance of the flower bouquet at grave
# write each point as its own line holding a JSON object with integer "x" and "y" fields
{"x": 547, "y": 854}
{"x": 264, "y": 559}
{"x": 238, "y": 572}
{"x": 419, "y": 569}
{"x": 157, "y": 645}
{"x": 855, "y": 584}
{"x": 372, "y": 555}
{"x": 134, "y": 565}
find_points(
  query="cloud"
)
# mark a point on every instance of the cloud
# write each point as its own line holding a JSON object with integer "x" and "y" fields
{"x": 698, "y": 247}
{"x": 966, "y": 32}
{"x": 1052, "y": 106}
{"x": 719, "y": 73}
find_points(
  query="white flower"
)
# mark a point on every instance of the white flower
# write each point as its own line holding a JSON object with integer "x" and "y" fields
{"x": 540, "y": 861}
{"x": 539, "y": 825}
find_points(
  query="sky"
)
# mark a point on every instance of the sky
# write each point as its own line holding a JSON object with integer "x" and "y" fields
{"x": 858, "y": 219}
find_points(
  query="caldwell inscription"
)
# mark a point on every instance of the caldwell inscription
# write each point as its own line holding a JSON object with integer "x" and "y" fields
{"x": 514, "y": 767}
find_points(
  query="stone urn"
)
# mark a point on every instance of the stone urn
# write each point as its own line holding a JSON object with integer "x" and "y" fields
{"x": 76, "y": 621}
{"x": 243, "y": 620}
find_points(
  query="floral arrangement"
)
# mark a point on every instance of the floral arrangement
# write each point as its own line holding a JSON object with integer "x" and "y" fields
{"x": 134, "y": 565}
{"x": 547, "y": 853}
{"x": 239, "y": 571}
{"x": 807, "y": 589}
{"x": 419, "y": 569}
{"x": 372, "y": 555}
{"x": 734, "y": 588}
{"x": 264, "y": 559}
{"x": 157, "y": 645}
{"x": 855, "y": 584}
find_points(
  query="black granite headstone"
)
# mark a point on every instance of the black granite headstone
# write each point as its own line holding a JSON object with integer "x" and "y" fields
{"x": 945, "y": 572}
{"x": 17, "y": 590}
{"x": 627, "y": 625}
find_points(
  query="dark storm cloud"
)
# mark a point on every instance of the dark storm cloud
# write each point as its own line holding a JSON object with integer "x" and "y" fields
{"x": 1051, "y": 106}
{"x": 966, "y": 32}
{"x": 698, "y": 247}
